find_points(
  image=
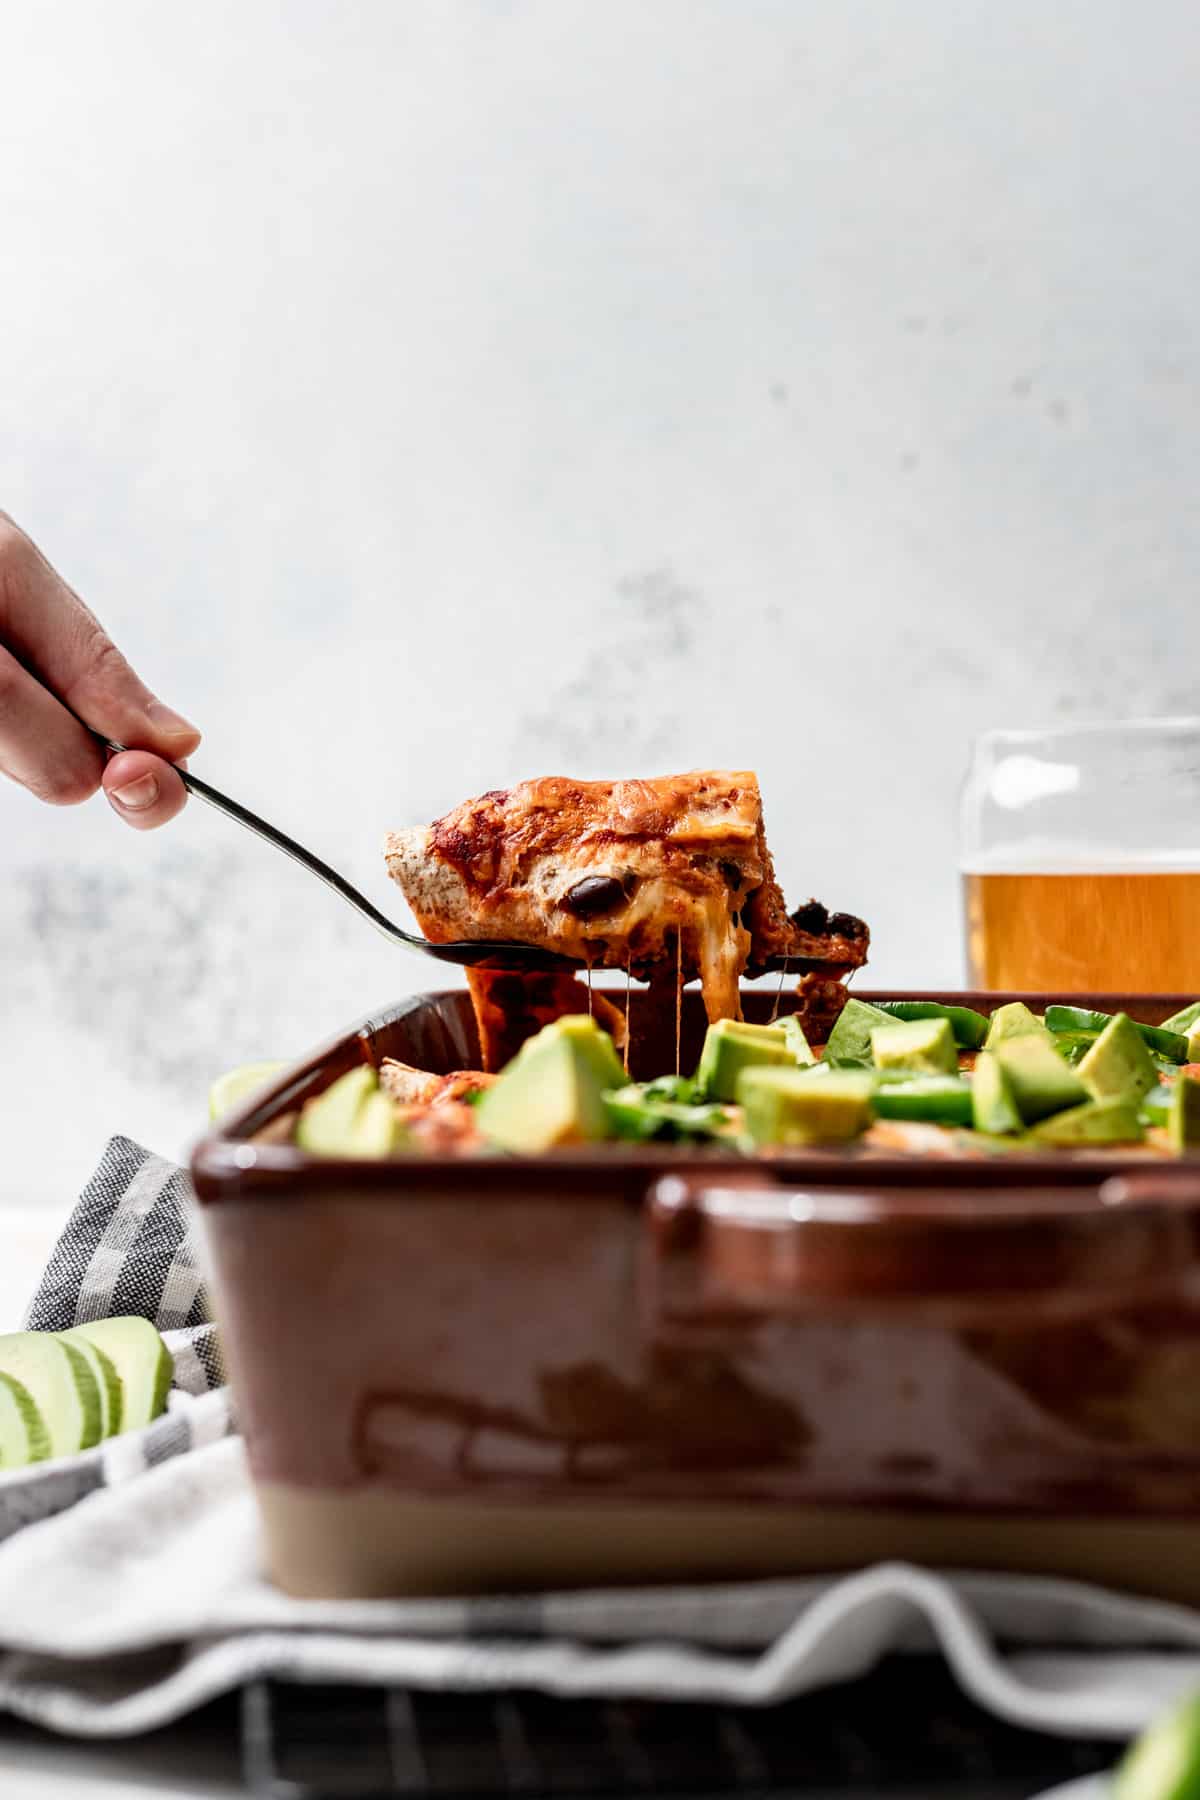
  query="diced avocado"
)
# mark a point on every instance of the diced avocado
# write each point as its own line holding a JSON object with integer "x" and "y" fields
{"x": 993, "y": 1107}
{"x": 347, "y": 1119}
{"x": 107, "y": 1380}
{"x": 236, "y": 1085}
{"x": 140, "y": 1358}
{"x": 60, "y": 1382}
{"x": 730, "y": 1047}
{"x": 924, "y": 1045}
{"x": 634, "y": 1112}
{"x": 1185, "y": 1021}
{"x": 1118, "y": 1063}
{"x": 23, "y": 1435}
{"x": 1183, "y": 1118}
{"x": 850, "y": 1039}
{"x": 1073, "y": 1046}
{"x": 786, "y": 1106}
{"x": 1156, "y": 1105}
{"x": 552, "y": 1092}
{"x": 589, "y": 1042}
{"x": 1013, "y": 1021}
{"x": 937, "y": 1099}
{"x": 970, "y": 1028}
{"x": 379, "y": 1129}
{"x": 1164, "y": 1763}
{"x": 798, "y": 1044}
{"x": 1094, "y": 1122}
{"x": 327, "y": 1121}
{"x": 1170, "y": 1045}
{"x": 1039, "y": 1080}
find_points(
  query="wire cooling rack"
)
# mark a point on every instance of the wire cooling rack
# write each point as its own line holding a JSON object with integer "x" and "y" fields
{"x": 905, "y": 1730}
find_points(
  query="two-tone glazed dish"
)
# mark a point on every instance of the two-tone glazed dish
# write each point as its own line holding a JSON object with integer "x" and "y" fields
{"x": 650, "y": 1363}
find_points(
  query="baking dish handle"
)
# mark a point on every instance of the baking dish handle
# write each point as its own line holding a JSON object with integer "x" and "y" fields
{"x": 727, "y": 1247}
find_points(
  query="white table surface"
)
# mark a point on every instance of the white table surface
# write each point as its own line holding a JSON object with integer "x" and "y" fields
{"x": 27, "y": 1237}
{"x": 191, "y": 1759}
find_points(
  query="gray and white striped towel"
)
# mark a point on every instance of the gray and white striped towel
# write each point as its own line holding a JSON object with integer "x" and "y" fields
{"x": 128, "y": 1247}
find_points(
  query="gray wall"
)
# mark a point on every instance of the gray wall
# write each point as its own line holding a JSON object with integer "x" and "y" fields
{"x": 431, "y": 394}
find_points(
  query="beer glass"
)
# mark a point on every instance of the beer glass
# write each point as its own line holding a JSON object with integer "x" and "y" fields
{"x": 1081, "y": 858}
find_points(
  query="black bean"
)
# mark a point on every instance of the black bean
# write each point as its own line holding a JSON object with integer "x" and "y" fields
{"x": 594, "y": 894}
{"x": 811, "y": 917}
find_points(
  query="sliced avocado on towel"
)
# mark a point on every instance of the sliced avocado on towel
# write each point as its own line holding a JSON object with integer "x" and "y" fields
{"x": 59, "y": 1379}
{"x": 23, "y": 1435}
{"x": 141, "y": 1360}
{"x": 107, "y": 1380}
{"x": 1164, "y": 1763}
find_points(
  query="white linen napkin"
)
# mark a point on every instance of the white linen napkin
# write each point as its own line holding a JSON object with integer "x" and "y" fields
{"x": 146, "y": 1599}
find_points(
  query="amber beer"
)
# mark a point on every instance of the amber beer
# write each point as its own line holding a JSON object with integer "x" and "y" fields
{"x": 1077, "y": 932}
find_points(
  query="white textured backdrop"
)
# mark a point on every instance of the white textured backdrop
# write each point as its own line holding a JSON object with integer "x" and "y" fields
{"x": 428, "y": 395}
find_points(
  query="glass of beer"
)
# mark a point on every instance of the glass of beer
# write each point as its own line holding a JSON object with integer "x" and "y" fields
{"x": 1081, "y": 858}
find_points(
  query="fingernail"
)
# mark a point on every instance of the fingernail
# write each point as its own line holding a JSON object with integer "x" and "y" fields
{"x": 168, "y": 721}
{"x": 138, "y": 794}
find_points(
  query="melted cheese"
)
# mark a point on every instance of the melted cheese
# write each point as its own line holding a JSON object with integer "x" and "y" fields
{"x": 697, "y": 891}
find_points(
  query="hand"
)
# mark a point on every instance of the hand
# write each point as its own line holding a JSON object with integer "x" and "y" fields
{"x": 55, "y": 660}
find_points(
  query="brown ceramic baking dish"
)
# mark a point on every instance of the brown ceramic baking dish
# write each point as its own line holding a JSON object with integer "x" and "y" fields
{"x": 661, "y": 1364}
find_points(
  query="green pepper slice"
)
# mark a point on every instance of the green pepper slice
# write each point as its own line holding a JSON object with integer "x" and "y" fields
{"x": 969, "y": 1027}
{"x": 1168, "y": 1044}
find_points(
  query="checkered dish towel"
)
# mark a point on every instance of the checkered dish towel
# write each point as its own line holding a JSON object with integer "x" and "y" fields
{"x": 148, "y": 1599}
{"x": 128, "y": 1247}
